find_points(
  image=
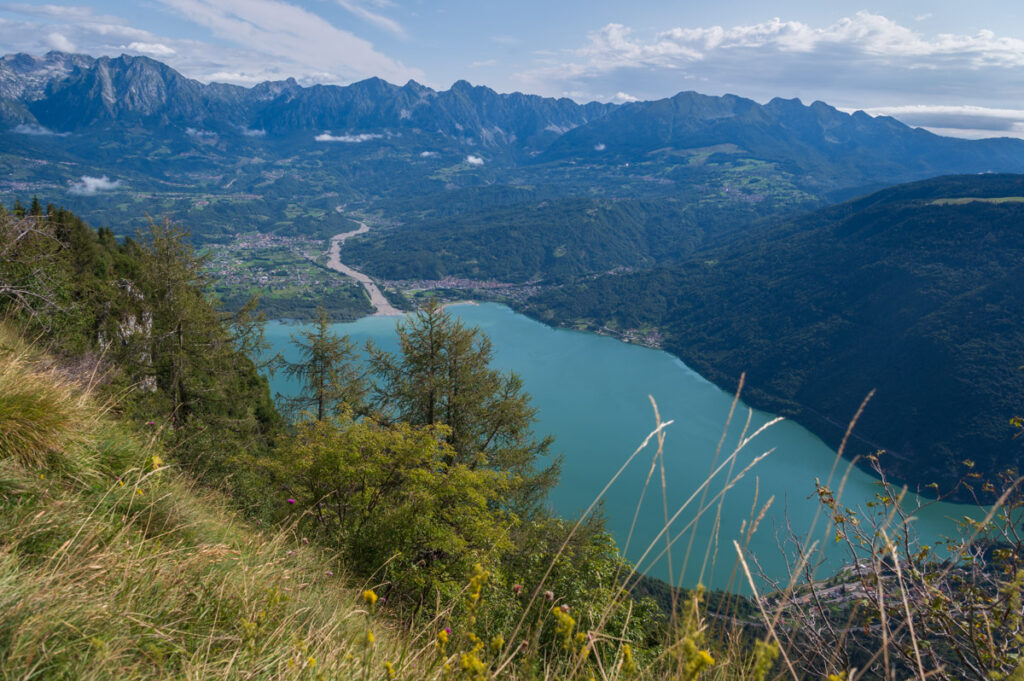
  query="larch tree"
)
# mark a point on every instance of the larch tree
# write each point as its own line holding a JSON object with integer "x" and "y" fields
{"x": 442, "y": 376}
{"x": 328, "y": 370}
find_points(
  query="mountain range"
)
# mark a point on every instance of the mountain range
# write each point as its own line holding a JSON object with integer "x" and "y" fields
{"x": 142, "y": 123}
{"x": 71, "y": 93}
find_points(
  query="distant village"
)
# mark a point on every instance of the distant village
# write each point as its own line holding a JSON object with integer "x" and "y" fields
{"x": 268, "y": 261}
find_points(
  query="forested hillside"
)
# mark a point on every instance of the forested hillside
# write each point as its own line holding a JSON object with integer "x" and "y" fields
{"x": 914, "y": 292}
{"x": 550, "y": 240}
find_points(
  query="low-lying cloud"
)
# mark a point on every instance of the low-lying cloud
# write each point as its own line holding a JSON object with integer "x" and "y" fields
{"x": 350, "y": 139}
{"x": 974, "y": 122}
{"x": 60, "y": 42}
{"x": 474, "y": 160}
{"x": 33, "y": 129}
{"x": 92, "y": 185}
{"x": 155, "y": 49}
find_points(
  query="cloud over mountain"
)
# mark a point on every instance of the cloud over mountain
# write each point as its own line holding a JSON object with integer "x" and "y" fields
{"x": 858, "y": 61}
{"x": 93, "y": 185}
{"x": 254, "y": 40}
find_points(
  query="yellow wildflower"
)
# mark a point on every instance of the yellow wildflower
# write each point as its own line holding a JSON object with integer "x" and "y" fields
{"x": 442, "y": 639}
{"x": 473, "y": 666}
{"x": 564, "y": 624}
{"x": 628, "y": 668}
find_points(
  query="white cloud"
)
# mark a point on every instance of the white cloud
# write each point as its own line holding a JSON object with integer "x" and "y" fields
{"x": 853, "y": 62}
{"x": 250, "y": 132}
{"x": 59, "y": 41}
{"x": 429, "y": 154}
{"x": 292, "y": 33}
{"x": 33, "y": 129}
{"x": 485, "y": 62}
{"x": 864, "y": 33}
{"x": 600, "y": 146}
{"x": 70, "y": 12}
{"x": 974, "y": 122}
{"x": 378, "y": 20}
{"x": 200, "y": 134}
{"x": 91, "y": 185}
{"x": 474, "y": 160}
{"x": 155, "y": 49}
{"x": 975, "y": 133}
{"x": 253, "y": 41}
{"x": 624, "y": 97}
{"x": 939, "y": 110}
{"x": 352, "y": 139}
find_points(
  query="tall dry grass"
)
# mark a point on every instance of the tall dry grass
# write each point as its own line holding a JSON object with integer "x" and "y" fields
{"x": 43, "y": 418}
{"x": 113, "y": 565}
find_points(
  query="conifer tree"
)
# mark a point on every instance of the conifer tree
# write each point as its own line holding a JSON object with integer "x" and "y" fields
{"x": 184, "y": 337}
{"x": 328, "y": 369}
{"x": 442, "y": 376}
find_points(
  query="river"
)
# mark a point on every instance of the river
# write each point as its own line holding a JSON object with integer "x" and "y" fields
{"x": 592, "y": 395}
{"x": 381, "y": 306}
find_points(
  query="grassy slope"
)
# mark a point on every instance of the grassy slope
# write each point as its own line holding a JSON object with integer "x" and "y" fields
{"x": 115, "y": 565}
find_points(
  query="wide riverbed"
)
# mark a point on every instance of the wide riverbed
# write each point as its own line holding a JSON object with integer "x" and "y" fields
{"x": 592, "y": 395}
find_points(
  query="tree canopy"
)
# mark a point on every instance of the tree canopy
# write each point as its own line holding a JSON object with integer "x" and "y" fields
{"x": 442, "y": 376}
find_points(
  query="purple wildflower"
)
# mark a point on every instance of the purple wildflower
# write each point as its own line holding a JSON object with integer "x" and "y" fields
{"x": 291, "y": 501}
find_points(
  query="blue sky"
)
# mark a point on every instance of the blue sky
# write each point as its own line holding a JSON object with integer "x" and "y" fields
{"x": 957, "y": 68}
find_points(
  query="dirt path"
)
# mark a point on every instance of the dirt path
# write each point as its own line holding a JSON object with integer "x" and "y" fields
{"x": 380, "y": 303}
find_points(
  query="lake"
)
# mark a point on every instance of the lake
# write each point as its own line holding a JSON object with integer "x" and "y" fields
{"x": 592, "y": 395}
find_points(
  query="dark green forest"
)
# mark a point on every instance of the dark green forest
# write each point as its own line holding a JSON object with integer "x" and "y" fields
{"x": 552, "y": 240}
{"x": 907, "y": 292}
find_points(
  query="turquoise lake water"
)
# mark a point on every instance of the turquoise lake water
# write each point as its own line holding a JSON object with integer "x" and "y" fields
{"x": 592, "y": 395}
